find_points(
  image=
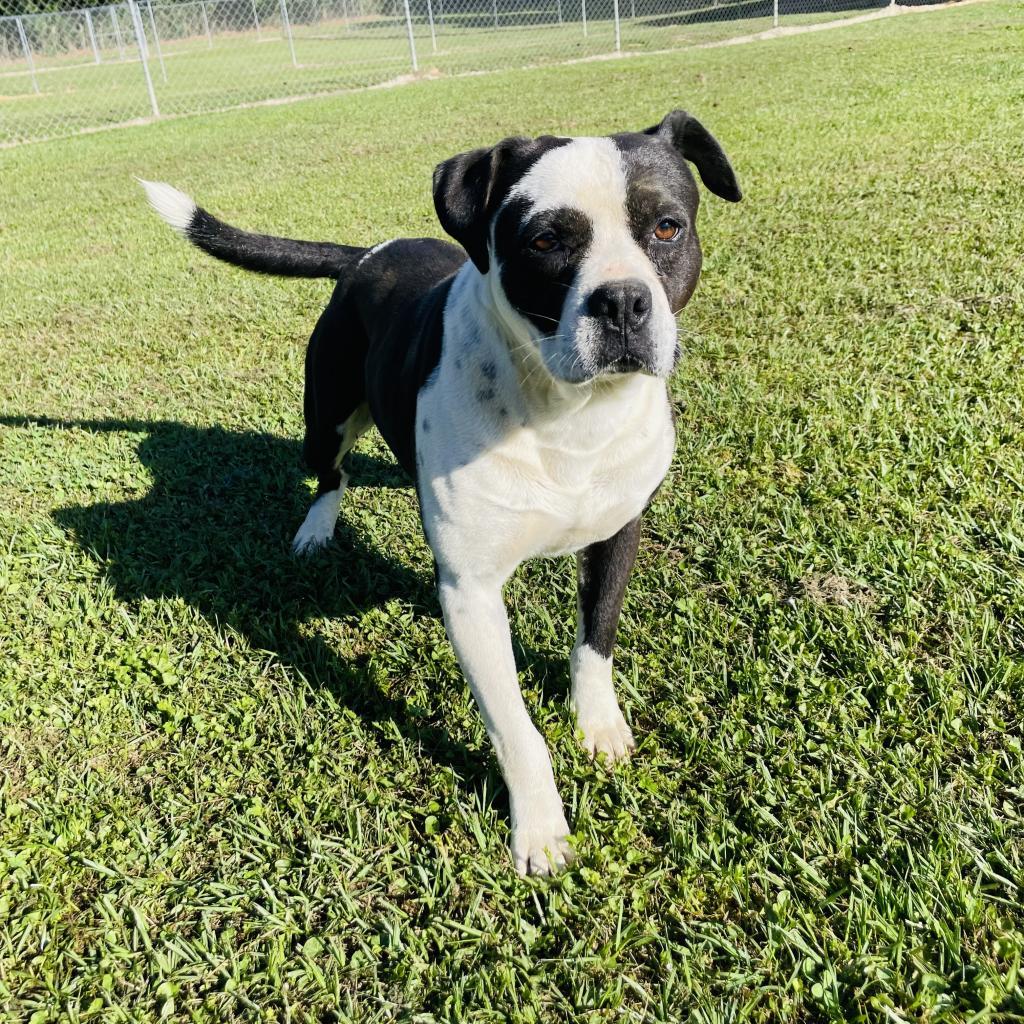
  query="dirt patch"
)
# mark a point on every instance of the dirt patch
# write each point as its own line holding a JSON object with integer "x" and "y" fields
{"x": 22, "y": 748}
{"x": 832, "y": 590}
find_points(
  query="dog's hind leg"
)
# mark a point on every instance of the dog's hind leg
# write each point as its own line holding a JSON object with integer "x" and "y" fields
{"x": 318, "y": 527}
{"x": 336, "y": 414}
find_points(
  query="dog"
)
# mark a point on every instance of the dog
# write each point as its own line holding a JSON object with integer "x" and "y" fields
{"x": 520, "y": 379}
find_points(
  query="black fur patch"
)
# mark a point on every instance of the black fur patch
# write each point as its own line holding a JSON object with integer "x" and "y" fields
{"x": 357, "y": 355}
{"x": 536, "y": 283}
{"x": 602, "y": 573}
{"x": 412, "y": 284}
{"x": 692, "y": 141}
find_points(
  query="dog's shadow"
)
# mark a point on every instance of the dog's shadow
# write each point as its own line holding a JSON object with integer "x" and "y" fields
{"x": 214, "y": 530}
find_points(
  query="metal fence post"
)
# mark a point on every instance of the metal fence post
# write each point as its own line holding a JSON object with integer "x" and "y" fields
{"x": 433, "y": 34}
{"x": 28, "y": 52}
{"x": 117, "y": 31}
{"x": 156, "y": 40}
{"x": 775, "y": 13}
{"x": 206, "y": 24}
{"x": 140, "y": 37}
{"x": 287, "y": 26}
{"x": 618, "y": 33}
{"x": 559, "y": 2}
{"x": 584, "y": 9}
{"x": 494, "y": 4}
{"x": 92, "y": 35}
{"x": 412, "y": 42}
{"x": 256, "y": 20}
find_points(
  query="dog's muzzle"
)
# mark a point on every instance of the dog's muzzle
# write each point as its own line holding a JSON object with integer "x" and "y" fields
{"x": 620, "y": 312}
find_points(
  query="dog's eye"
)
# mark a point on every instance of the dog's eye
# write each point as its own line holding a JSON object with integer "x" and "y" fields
{"x": 667, "y": 229}
{"x": 546, "y": 241}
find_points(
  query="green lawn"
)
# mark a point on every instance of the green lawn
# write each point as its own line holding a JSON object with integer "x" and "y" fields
{"x": 233, "y": 787}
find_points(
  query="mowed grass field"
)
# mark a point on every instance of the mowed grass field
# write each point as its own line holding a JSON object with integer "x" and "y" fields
{"x": 238, "y": 787}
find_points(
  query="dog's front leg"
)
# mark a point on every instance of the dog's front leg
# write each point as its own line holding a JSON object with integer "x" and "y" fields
{"x": 477, "y": 625}
{"x": 602, "y": 572}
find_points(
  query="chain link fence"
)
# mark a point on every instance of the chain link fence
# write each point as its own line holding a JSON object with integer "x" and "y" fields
{"x": 79, "y": 70}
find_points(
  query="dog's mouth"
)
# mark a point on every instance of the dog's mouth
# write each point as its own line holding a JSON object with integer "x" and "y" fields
{"x": 628, "y": 363}
{"x": 596, "y": 352}
{"x": 620, "y": 354}
{"x": 577, "y": 368}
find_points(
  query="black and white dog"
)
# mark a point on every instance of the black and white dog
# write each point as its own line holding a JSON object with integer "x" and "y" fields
{"x": 523, "y": 389}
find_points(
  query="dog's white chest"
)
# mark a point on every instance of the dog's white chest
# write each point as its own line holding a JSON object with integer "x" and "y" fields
{"x": 489, "y": 502}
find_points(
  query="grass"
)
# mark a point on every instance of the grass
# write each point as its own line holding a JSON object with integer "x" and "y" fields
{"x": 233, "y": 788}
{"x": 65, "y": 98}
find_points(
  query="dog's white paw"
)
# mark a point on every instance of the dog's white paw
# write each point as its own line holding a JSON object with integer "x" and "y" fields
{"x": 317, "y": 528}
{"x": 309, "y": 542}
{"x": 541, "y": 846}
{"x": 606, "y": 734}
{"x": 597, "y": 711}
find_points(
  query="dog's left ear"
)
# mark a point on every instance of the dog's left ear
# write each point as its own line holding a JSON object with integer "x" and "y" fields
{"x": 695, "y": 143}
{"x": 468, "y": 189}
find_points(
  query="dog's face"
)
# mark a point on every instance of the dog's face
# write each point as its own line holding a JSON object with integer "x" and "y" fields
{"x": 591, "y": 242}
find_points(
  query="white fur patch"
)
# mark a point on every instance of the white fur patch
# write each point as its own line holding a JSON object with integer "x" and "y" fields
{"x": 373, "y": 251}
{"x": 550, "y": 467}
{"x": 172, "y": 204}
{"x": 586, "y": 174}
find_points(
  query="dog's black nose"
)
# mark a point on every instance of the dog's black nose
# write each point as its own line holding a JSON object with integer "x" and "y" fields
{"x": 623, "y": 304}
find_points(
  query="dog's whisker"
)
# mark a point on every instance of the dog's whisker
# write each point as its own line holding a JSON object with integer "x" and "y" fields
{"x": 540, "y": 316}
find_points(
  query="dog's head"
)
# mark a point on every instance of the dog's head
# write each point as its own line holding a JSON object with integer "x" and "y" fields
{"x": 592, "y": 242}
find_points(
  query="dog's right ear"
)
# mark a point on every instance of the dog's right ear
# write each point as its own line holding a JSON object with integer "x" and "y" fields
{"x": 468, "y": 189}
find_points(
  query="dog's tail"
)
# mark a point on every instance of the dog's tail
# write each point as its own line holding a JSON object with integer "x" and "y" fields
{"x": 262, "y": 253}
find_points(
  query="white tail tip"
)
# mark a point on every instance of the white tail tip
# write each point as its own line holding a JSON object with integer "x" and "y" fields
{"x": 174, "y": 206}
